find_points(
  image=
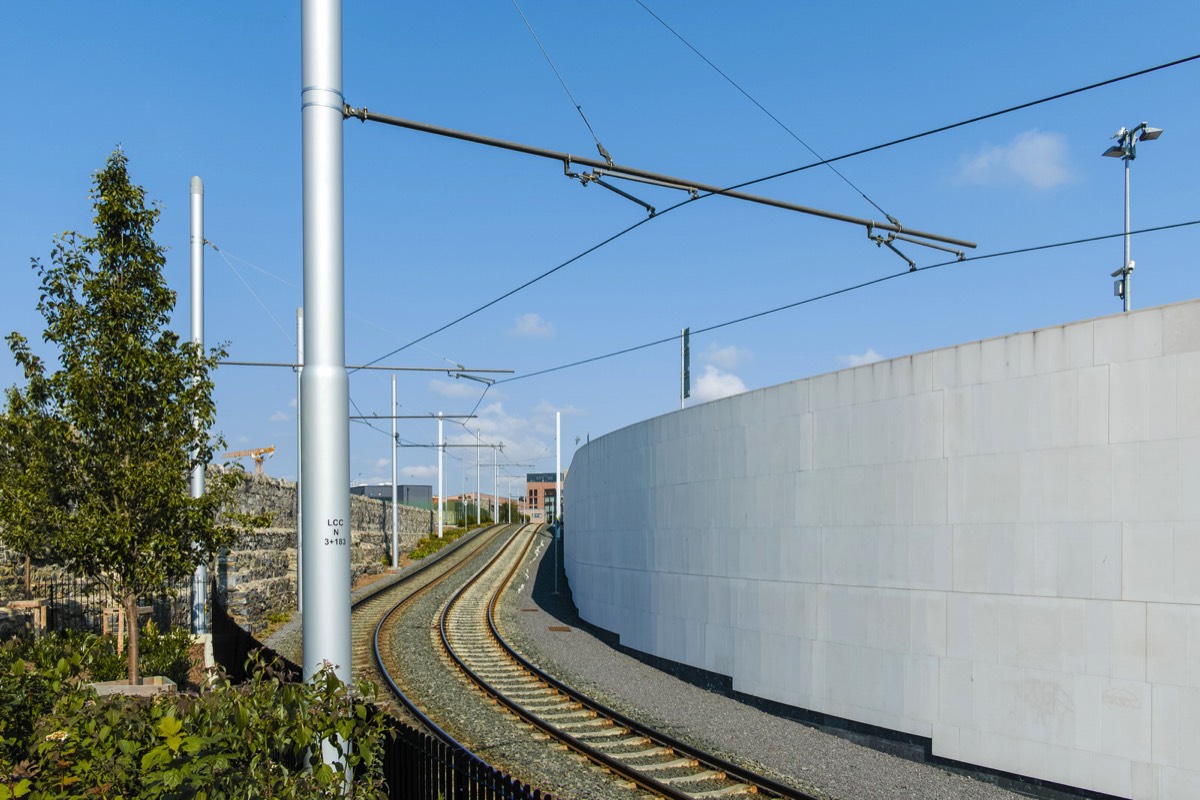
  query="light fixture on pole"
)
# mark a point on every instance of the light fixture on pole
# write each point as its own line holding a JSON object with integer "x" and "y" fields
{"x": 1126, "y": 150}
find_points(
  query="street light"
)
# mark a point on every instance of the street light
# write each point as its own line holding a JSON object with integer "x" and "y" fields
{"x": 1126, "y": 150}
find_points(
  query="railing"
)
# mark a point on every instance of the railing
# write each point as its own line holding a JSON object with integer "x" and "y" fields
{"x": 416, "y": 765}
{"x": 75, "y": 603}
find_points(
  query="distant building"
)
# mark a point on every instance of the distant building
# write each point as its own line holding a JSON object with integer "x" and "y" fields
{"x": 541, "y": 500}
{"x": 406, "y": 494}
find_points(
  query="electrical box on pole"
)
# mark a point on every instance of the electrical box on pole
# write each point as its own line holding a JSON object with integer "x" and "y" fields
{"x": 686, "y": 374}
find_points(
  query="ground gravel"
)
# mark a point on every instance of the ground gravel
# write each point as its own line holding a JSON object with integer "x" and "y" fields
{"x": 688, "y": 704}
{"x": 702, "y": 709}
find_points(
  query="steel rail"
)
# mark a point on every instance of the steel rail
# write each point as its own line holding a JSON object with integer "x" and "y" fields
{"x": 404, "y": 699}
{"x": 714, "y": 762}
{"x": 726, "y": 770}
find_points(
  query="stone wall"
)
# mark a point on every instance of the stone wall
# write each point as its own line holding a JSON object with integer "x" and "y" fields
{"x": 257, "y": 577}
{"x": 993, "y": 546}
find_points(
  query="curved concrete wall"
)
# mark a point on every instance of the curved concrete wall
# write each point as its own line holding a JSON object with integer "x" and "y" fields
{"x": 994, "y": 545}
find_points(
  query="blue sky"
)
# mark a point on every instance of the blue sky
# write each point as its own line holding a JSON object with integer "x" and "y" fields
{"x": 435, "y": 228}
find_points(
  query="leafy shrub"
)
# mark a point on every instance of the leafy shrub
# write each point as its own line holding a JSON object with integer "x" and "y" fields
{"x": 428, "y": 545}
{"x": 264, "y": 738}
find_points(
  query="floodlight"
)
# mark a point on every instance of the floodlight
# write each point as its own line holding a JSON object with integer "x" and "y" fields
{"x": 1116, "y": 151}
{"x": 1149, "y": 134}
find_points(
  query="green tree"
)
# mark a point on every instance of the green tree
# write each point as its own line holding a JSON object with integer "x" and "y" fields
{"x": 119, "y": 426}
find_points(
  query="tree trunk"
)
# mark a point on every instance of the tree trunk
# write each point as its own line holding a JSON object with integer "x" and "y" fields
{"x": 131, "y": 622}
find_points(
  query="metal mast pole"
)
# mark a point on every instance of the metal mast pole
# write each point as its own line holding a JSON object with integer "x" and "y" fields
{"x": 200, "y": 575}
{"x": 441, "y": 494}
{"x": 299, "y": 461}
{"x": 496, "y": 484}
{"x": 324, "y": 383}
{"x": 557, "y": 493}
{"x": 395, "y": 511}
{"x": 1127, "y": 272}
{"x": 478, "y": 487}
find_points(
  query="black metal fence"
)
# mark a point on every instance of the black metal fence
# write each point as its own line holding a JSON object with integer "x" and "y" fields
{"x": 416, "y": 765}
{"x": 74, "y": 603}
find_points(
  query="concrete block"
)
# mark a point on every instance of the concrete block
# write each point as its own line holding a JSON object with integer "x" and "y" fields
{"x": 993, "y": 361}
{"x": 1128, "y": 396}
{"x": 1158, "y": 480}
{"x": 1089, "y": 484}
{"x": 1106, "y": 560}
{"x": 1125, "y": 718}
{"x": 1112, "y": 339}
{"x": 1075, "y": 560}
{"x": 1051, "y": 350}
{"x": 970, "y": 558}
{"x": 1167, "y": 644}
{"x": 1147, "y": 568}
{"x": 1093, "y": 398}
{"x": 928, "y": 623}
{"x": 1129, "y": 641}
{"x": 992, "y": 488}
{"x": 1045, "y": 567}
{"x": 1040, "y": 634}
{"x": 955, "y": 703}
{"x": 1181, "y": 328}
{"x": 945, "y": 741}
{"x": 1187, "y": 387}
{"x": 1112, "y": 775}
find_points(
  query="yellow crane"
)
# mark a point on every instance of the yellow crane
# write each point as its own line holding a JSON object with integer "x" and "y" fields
{"x": 259, "y": 454}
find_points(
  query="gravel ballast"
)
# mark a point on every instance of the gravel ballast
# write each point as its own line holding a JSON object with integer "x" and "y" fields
{"x": 688, "y": 704}
{"x": 700, "y": 707}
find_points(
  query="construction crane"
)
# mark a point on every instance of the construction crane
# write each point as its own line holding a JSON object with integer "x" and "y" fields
{"x": 259, "y": 454}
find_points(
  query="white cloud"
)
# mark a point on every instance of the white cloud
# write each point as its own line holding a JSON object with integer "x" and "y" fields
{"x": 729, "y": 357}
{"x": 415, "y": 473}
{"x": 869, "y": 357}
{"x": 531, "y": 324}
{"x": 456, "y": 388}
{"x": 279, "y": 416}
{"x": 1034, "y": 159}
{"x": 714, "y": 384}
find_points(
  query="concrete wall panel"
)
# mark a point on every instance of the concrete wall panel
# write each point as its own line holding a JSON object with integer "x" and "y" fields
{"x": 994, "y": 545}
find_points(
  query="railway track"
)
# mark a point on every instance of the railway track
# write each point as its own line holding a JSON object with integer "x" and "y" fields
{"x": 374, "y": 612}
{"x": 648, "y": 759}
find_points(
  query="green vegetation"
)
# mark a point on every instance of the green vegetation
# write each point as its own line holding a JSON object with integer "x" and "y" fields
{"x": 95, "y": 456}
{"x": 430, "y": 544}
{"x": 260, "y": 739}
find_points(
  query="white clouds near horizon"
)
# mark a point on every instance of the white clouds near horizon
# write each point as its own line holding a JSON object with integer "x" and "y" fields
{"x": 532, "y": 325}
{"x": 1034, "y": 159}
{"x": 852, "y": 360}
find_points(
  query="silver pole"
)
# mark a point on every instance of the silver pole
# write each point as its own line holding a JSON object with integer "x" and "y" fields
{"x": 324, "y": 383}
{"x": 1127, "y": 272}
{"x": 441, "y": 496}
{"x": 557, "y": 493}
{"x": 496, "y": 484}
{"x": 299, "y": 461}
{"x": 200, "y": 575}
{"x": 395, "y": 511}
{"x": 478, "y": 487}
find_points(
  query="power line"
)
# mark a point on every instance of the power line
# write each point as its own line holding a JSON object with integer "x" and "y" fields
{"x": 762, "y": 108}
{"x": 574, "y": 102}
{"x": 844, "y": 290}
{"x": 973, "y": 120}
{"x": 894, "y": 142}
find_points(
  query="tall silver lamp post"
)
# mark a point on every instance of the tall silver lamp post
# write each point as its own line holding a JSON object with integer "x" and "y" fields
{"x": 1126, "y": 150}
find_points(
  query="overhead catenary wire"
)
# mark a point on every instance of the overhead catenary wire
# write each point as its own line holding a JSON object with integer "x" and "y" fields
{"x": 844, "y": 290}
{"x": 763, "y": 108}
{"x": 630, "y": 228}
{"x": 599, "y": 147}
